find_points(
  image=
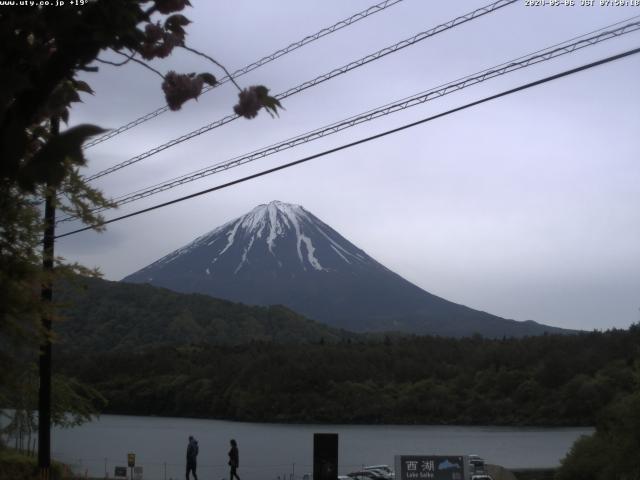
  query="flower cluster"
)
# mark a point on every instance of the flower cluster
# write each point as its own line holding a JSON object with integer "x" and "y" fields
{"x": 252, "y": 99}
{"x": 248, "y": 103}
{"x": 180, "y": 87}
{"x": 158, "y": 42}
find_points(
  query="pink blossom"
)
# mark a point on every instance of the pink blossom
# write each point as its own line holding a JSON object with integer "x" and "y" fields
{"x": 178, "y": 88}
{"x": 248, "y": 103}
{"x": 153, "y": 32}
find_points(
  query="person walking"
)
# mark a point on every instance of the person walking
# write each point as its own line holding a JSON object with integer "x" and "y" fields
{"x": 192, "y": 454}
{"x": 234, "y": 460}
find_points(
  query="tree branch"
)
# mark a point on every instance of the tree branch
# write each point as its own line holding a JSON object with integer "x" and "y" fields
{"x": 193, "y": 50}
{"x": 116, "y": 64}
{"x": 131, "y": 58}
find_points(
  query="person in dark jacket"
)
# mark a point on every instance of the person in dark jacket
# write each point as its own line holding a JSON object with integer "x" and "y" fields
{"x": 192, "y": 454}
{"x": 234, "y": 460}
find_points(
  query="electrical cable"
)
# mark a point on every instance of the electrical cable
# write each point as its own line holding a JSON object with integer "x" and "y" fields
{"x": 364, "y": 140}
{"x": 316, "y": 81}
{"x": 408, "y": 102}
{"x": 248, "y": 68}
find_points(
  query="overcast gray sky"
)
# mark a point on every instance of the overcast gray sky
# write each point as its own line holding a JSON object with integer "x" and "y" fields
{"x": 525, "y": 207}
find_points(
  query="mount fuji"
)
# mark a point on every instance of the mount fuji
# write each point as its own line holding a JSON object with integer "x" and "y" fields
{"x": 280, "y": 253}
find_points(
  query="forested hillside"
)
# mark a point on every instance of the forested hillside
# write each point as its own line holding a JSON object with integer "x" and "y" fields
{"x": 547, "y": 380}
{"x": 104, "y": 316}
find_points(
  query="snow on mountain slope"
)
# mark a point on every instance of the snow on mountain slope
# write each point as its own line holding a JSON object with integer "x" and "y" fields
{"x": 270, "y": 226}
{"x": 280, "y": 253}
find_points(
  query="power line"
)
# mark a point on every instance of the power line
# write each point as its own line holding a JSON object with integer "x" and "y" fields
{"x": 316, "y": 81}
{"x": 366, "y": 139}
{"x": 252, "y": 66}
{"x": 418, "y": 99}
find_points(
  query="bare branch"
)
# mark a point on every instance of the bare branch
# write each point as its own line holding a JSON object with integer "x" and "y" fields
{"x": 131, "y": 58}
{"x": 116, "y": 64}
{"x": 193, "y": 50}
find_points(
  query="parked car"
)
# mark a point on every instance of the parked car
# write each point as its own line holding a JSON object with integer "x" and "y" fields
{"x": 366, "y": 475}
{"x": 382, "y": 468}
{"x": 381, "y": 472}
{"x": 361, "y": 475}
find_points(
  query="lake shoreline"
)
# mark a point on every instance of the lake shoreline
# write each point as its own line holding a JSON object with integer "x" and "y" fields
{"x": 381, "y": 424}
{"x": 270, "y": 450}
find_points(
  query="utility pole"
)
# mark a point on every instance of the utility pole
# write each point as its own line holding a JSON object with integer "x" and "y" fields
{"x": 44, "y": 393}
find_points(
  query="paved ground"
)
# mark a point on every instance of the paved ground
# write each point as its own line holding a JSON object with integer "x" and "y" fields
{"x": 500, "y": 473}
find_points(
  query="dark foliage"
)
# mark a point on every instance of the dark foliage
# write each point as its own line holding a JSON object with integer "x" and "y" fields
{"x": 612, "y": 452}
{"x": 14, "y": 466}
{"x": 104, "y": 316}
{"x": 547, "y": 380}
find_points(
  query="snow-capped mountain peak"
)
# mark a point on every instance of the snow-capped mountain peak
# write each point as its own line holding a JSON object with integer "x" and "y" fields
{"x": 274, "y": 220}
{"x": 280, "y": 253}
{"x": 272, "y": 228}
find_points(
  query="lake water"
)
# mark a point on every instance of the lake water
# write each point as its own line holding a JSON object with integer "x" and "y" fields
{"x": 269, "y": 451}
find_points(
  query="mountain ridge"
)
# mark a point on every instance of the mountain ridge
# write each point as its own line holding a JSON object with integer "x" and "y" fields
{"x": 279, "y": 253}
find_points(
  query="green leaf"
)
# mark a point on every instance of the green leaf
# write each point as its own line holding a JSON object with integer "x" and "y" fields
{"x": 64, "y": 115}
{"x": 177, "y": 19}
{"x": 49, "y": 165}
{"x": 175, "y": 23}
{"x": 81, "y": 86}
{"x": 70, "y": 95}
{"x": 208, "y": 78}
{"x": 262, "y": 91}
{"x": 271, "y": 104}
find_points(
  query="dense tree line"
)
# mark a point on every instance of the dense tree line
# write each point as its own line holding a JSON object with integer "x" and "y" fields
{"x": 547, "y": 380}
